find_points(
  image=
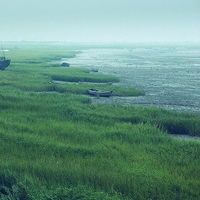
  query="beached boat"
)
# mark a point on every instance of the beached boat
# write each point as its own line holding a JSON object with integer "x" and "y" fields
{"x": 64, "y": 64}
{"x": 94, "y": 70}
{"x": 4, "y": 62}
{"x": 100, "y": 93}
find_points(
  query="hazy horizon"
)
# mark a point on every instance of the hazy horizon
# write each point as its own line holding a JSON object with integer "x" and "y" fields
{"x": 105, "y": 21}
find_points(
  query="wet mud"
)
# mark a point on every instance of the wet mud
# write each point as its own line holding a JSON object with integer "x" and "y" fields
{"x": 169, "y": 76}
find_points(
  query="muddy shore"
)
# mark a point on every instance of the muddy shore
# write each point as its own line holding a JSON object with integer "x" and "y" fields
{"x": 170, "y": 77}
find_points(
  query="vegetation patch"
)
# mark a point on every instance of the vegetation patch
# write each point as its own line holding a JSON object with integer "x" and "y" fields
{"x": 55, "y": 144}
{"x": 78, "y": 75}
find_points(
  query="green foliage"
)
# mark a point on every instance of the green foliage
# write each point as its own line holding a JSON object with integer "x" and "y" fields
{"x": 55, "y": 144}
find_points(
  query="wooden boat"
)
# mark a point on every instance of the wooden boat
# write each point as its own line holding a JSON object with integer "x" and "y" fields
{"x": 100, "y": 93}
{"x": 64, "y": 64}
{"x": 94, "y": 70}
{"x": 4, "y": 63}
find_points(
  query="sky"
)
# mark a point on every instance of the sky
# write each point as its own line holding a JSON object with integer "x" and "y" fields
{"x": 100, "y": 20}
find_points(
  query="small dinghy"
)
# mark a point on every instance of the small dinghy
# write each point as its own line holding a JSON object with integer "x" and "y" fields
{"x": 94, "y": 70}
{"x": 64, "y": 64}
{"x": 100, "y": 93}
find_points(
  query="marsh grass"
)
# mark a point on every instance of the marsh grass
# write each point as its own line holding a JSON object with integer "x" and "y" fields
{"x": 60, "y": 146}
{"x": 78, "y": 75}
{"x": 31, "y": 70}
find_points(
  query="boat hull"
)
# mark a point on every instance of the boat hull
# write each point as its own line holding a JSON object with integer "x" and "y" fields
{"x": 4, "y": 64}
{"x": 100, "y": 93}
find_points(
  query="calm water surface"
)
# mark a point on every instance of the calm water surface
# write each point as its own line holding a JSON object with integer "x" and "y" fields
{"x": 170, "y": 76}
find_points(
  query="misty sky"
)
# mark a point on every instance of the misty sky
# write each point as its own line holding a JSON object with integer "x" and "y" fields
{"x": 100, "y": 20}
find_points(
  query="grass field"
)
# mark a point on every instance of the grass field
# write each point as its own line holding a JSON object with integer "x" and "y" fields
{"x": 55, "y": 144}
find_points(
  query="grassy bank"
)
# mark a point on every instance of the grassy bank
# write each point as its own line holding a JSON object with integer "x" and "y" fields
{"x": 55, "y": 144}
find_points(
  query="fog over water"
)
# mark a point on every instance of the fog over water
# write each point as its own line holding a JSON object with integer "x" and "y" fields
{"x": 170, "y": 76}
{"x": 100, "y": 20}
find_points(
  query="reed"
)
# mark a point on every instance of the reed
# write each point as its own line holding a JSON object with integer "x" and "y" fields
{"x": 57, "y": 145}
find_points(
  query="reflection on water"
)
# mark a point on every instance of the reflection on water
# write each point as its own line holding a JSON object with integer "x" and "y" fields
{"x": 169, "y": 76}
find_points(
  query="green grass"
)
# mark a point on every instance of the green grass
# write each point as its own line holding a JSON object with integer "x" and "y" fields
{"x": 76, "y": 75}
{"x": 58, "y": 145}
{"x": 31, "y": 70}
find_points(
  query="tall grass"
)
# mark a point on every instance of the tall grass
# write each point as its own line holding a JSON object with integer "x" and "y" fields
{"x": 60, "y": 146}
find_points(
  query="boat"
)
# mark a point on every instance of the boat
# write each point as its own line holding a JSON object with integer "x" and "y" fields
{"x": 3, "y": 61}
{"x": 100, "y": 93}
{"x": 64, "y": 64}
{"x": 94, "y": 70}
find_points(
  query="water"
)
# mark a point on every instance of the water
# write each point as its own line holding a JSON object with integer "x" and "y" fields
{"x": 170, "y": 76}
